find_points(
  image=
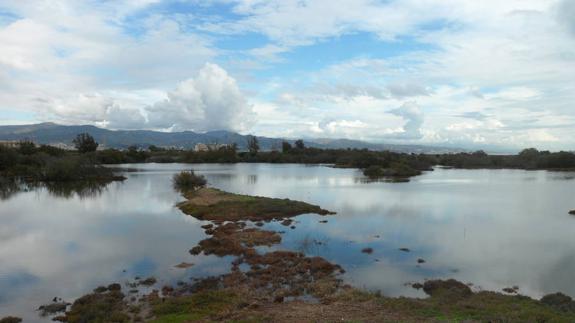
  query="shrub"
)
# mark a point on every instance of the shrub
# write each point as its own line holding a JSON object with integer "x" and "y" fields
{"x": 188, "y": 181}
{"x": 27, "y": 147}
{"x": 111, "y": 156}
{"x": 75, "y": 168}
{"x": 52, "y": 151}
{"x": 373, "y": 171}
{"x": 8, "y": 158}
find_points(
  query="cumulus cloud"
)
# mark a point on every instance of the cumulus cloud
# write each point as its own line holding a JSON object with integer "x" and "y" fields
{"x": 122, "y": 118}
{"x": 413, "y": 117}
{"x": 212, "y": 100}
{"x": 84, "y": 108}
{"x": 91, "y": 109}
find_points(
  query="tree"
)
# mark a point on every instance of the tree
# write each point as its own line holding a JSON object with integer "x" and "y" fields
{"x": 26, "y": 147}
{"x": 529, "y": 154}
{"x": 299, "y": 144}
{"x": 135, "y": 154}
{"x": 253, "y": 145}
{"x": 286, "y": 147}
{"x": 85, "y": 143}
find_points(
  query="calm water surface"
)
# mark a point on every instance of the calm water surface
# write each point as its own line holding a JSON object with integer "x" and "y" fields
{"x": 494, "y": 228}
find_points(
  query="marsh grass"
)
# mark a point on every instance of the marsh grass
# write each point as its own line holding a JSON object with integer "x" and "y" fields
{"x": 213, "y": 204}
{"x": 197, "y": 307}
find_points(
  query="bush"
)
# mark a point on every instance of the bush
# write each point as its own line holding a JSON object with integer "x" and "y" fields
{"x": 27, "y": 147}
{"x": 52, "y": 151}
{"x": 373, "y": 171}
{"x": 75, "y": 168}
{"x": 111, "y": 156}
{"x": 8, "y": 158}
{"x": 188, "y": 181}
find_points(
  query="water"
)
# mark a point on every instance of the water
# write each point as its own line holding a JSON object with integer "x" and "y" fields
{"x": 494, "y": 228}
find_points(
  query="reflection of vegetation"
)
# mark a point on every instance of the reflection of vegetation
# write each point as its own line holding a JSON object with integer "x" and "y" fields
{"x": 61, "y": 172}
{"x": 83, "y": 189}
{"x": 309, "y": 245}
{"x": 8, "y": 188}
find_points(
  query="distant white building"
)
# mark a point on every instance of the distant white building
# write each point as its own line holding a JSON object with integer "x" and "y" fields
{"x": 209, "y": 147}
{"x": 201, "y": 147}
{"x": 10, "y": 143}
{"x": 62, "y": 145}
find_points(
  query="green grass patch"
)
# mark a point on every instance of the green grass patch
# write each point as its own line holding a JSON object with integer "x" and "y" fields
{"x": 482, "y": 306}
{"x": 199, "y": 306}
{"x": 213, "y": 204}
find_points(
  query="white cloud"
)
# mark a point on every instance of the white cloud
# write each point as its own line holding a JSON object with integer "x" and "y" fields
{"x": 488, "y": 72}
{"x": 342, "y": 128}
{"x": 566, "y": 12}
{"x": 122, "y": 118}
{"x": 515, "y": 94}
{"x": 92, "y": 109}
{"x": 408, "y": 89}
{"x": 510, "y": 63}
{"x": 62, "y": 48}
{"x": 211, "y": 100}
{"x": 413, "y": 117}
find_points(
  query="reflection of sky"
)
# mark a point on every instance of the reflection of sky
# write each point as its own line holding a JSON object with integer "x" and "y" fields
{"x": 495, "y": 228}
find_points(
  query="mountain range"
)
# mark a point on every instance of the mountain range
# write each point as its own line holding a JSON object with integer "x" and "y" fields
{"x": 62, "y": 135}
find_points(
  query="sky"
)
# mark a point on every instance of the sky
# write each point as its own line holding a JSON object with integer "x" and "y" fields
{"x": 474, "y": 74}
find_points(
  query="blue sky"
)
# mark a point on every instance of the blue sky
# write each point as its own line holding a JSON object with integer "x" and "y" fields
{"x": 486, "y": 74}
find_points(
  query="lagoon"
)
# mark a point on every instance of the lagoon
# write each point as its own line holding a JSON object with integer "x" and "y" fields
{"x": 492, "y": 228}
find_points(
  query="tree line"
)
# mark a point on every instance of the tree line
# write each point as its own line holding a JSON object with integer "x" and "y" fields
{"x": 50, "y": 163}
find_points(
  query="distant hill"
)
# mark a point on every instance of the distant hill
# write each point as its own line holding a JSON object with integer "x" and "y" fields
{"x": 54, "y": 134}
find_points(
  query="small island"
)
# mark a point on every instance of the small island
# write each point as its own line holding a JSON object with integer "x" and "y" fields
{"x": 215, "y": 205}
